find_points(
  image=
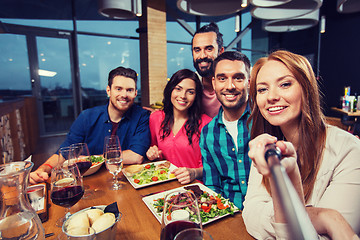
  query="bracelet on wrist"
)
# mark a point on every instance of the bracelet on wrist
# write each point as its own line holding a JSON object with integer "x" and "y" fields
{"x": 46, "y": 164}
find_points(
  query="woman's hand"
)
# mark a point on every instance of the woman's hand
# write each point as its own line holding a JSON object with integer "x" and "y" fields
{"x": 153, "y": 153}
{"x": 257, "y": 154}
{"x": 331, "y": 222}
{"x": 185, "y": 175}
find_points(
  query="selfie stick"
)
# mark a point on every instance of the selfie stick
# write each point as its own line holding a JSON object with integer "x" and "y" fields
{"x": 299, "y": 223}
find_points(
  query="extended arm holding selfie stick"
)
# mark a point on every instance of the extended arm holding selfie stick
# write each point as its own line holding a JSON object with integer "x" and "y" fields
{"x": 300, "y": 226}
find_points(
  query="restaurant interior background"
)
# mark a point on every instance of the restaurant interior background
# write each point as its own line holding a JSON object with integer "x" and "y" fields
{"x": 61, "y": 51}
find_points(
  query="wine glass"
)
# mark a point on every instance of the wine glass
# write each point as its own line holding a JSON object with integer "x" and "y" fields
{"x": 113, "y": 158}
{"x": 181, "y": 211}
{"x": 82, "y": 156}
{"x": 193, "y": 234}
{"x": 66, "y": 183}
{"x": 83, "y": 161}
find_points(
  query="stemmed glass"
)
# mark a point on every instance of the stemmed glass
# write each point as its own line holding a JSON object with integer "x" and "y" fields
{"x": 83, "y": 161}
{"x": 82, "y": 156}
{"x": 66, "y": 183}
{"x": 113, "y": 158}
{"x": 181, "y": 211}
{"x": 193, "y": 234}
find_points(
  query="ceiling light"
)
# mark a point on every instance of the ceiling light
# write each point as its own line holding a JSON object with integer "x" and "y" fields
{"x": 244, "y": 3}
{"x": 292, "y": 9}
{"x": 209, "y": 7}
{"x": 322, "y": 24}
{"x": 116, "y": 9}
{"x": 237, "y": 23}
{"x": 268, "y": 3}
{"x": 292, "y": 24}
{"x": 46, "y": 73}
{"x": 348, "y": 6}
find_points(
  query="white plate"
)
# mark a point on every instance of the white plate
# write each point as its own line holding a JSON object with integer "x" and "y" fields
{"x": 136, "y": 186}
{"x": 149, "y": 200}
{"x": 93, "y": 169}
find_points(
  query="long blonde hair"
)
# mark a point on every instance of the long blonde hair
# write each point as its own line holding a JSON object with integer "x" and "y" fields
{"x": 312, "y": 128}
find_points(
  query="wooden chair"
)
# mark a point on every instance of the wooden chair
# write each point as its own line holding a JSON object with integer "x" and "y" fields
{"x": 337, "y": 122}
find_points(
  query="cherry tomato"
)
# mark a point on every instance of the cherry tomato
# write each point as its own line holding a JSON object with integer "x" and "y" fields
{"x": 147, "y": 166}
{"x": 136, "y": 180}
{"x": 154, "y": 179}
{"x": 162, "y": 171}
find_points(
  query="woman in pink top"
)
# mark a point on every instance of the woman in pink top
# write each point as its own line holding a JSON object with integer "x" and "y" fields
{"x": 175, "y": 131}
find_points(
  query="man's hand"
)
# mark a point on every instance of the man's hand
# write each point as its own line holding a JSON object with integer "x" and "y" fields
{"x": 38, "y": 176}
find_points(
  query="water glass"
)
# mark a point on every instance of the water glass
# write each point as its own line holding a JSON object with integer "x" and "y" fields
{"x": 113, "y": 158}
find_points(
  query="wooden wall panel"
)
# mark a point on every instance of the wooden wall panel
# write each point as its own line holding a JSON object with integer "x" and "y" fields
{"x": 153, "y": 51}
{"x": 18, "y": 129}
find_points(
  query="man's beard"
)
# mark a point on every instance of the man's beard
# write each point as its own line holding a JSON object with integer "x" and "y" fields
{"x": 208, "y": 72}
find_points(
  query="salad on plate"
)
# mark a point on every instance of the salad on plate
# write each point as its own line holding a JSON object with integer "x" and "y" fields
{"x": 212, "y": 205}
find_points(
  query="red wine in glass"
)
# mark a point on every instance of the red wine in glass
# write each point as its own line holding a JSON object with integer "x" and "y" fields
{"x": 170, "y": 230}
{"x": 83, "y": 166}
{"x": 67, "y": 196}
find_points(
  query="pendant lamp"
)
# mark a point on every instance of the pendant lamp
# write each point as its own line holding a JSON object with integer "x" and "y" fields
{"x": 268, "y": 3}
{"x": 292, "y": 24}
{"x": 120, "y": 9}
{"x": 210, "y": 7}
{"x": 292, "y": 9}
{"x": 348, "y": 6}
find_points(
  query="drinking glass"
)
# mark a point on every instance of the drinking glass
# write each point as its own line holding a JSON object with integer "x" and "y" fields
{"x": 193, "y": 234}
{"x": 66, "y": 156}
{"x": 83, "y": 161}
{"x": 181, "y": 211}
{"x": 113, "y": 158}
{"x": 82, "y": 156}
{"x": 66, "y": 183}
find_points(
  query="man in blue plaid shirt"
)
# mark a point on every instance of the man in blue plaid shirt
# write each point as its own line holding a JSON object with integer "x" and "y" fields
{"x": 224, "y": 141}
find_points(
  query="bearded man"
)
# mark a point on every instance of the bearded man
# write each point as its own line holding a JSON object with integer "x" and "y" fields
{"x": 207, "y": 44}
{"x": 119, "y": 117}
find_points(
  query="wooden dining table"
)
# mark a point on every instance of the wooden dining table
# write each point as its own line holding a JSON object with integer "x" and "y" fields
{"x": 137, "y": 221}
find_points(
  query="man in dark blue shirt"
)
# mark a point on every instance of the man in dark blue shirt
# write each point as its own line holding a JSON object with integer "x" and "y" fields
{"x": 119, "y": 117}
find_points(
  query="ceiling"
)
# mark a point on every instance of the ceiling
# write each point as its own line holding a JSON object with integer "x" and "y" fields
{"x": 62, "y": 10}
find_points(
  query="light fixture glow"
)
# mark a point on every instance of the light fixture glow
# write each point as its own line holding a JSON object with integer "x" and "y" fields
{"x": 322, "y": 24}
{"x": 237, "y": 23}
{"x": 138, "y": 8}
{"x": 46, "y": 73}
{"x": 244, "y": 3}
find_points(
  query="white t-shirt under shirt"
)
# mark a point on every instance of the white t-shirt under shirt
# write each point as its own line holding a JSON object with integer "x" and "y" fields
{"x": 232, "y": 128}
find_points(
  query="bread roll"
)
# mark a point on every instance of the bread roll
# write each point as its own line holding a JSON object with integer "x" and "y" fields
{"x": 79, "y": 231}
{"x": 79, "y": 220}
{"x": 133, "y": 169}
{"x": 103, "y": 222}
{"x": 94, "y": 214}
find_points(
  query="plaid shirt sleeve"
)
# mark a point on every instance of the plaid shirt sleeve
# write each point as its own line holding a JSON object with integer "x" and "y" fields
{"x": 211, "y": 176}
